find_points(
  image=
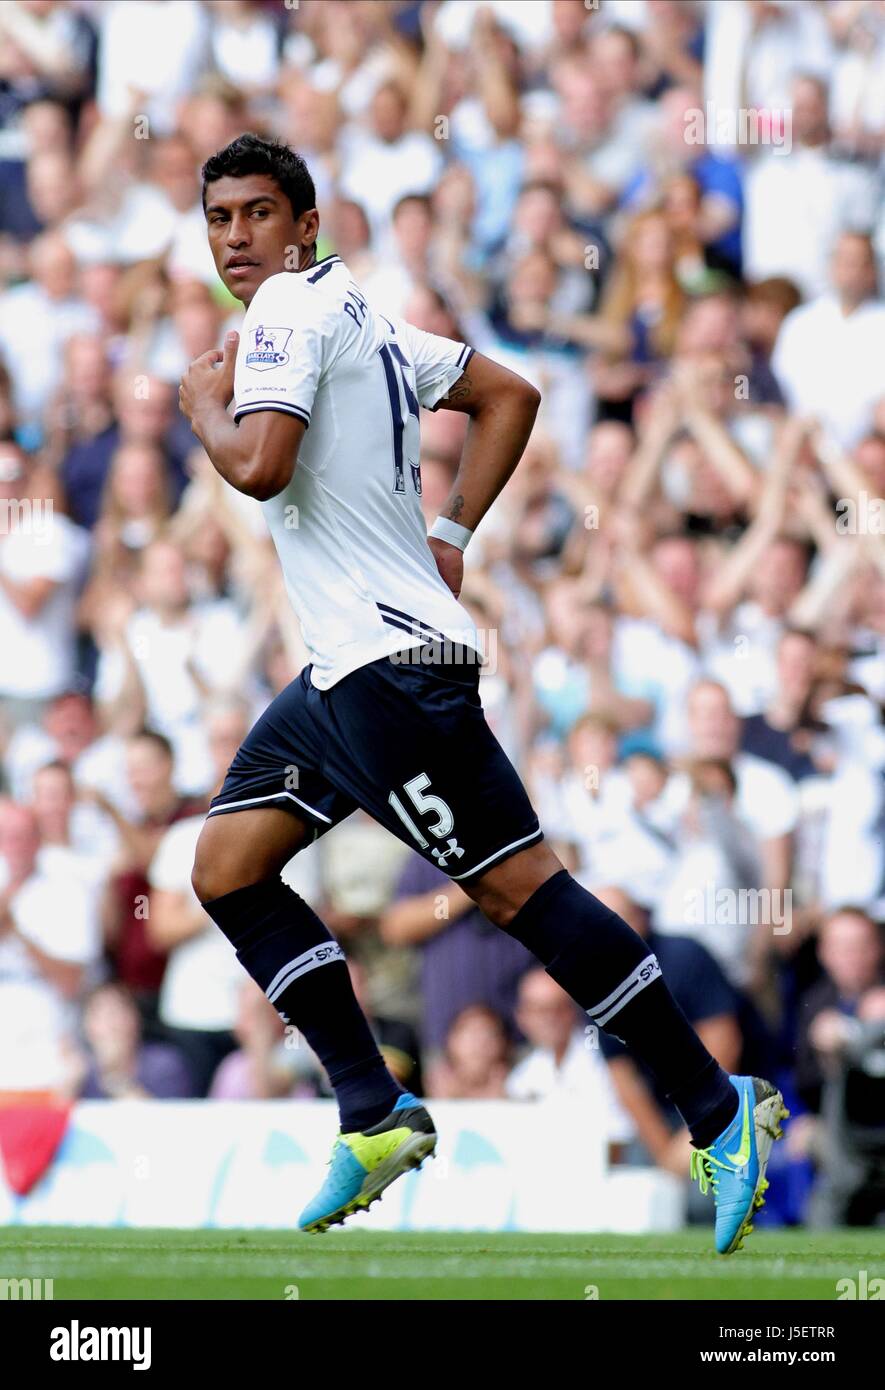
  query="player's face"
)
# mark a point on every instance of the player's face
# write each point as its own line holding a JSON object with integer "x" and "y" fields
{"x": 253, "y": 233}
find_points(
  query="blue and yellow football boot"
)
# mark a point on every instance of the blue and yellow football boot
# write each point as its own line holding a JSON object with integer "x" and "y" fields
{"x": 364, "y": 1164}
{"x": 734, "y": 1165}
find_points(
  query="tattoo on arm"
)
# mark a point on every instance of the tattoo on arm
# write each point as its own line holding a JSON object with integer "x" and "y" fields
{"x": 460, "y": 390}
{"x": 456, "y": 508}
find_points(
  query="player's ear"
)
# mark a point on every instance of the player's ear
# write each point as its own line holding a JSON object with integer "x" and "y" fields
{"x": 308, "y": 228}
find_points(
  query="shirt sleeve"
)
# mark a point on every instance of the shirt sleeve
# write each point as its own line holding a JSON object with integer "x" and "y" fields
{"x": 289, "y": 337}
{"x": 438, "y": 362}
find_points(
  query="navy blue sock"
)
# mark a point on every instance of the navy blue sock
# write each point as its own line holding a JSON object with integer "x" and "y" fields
{"x": 609, "y": 970}
{"x": 289, "y": 952}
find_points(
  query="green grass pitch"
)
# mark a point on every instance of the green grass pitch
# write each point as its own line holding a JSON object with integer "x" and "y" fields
{"x": 87, "y": 1263}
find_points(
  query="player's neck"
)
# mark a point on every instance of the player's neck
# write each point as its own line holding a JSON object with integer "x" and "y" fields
{"x": 307, "y": 257}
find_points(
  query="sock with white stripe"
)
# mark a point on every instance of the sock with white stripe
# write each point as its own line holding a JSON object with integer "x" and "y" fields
{"x": 301, "y": 968}
{"x": 609, "y": 971}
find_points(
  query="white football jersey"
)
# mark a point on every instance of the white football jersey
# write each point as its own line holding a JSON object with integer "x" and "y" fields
{"x": 349, "y": 529}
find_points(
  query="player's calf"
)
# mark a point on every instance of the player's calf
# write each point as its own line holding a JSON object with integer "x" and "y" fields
{"x": 291, "y": 954}
{"x": 610, "y": 972}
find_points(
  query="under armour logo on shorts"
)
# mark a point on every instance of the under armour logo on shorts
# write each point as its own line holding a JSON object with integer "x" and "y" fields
{"x": 441, "y": 855}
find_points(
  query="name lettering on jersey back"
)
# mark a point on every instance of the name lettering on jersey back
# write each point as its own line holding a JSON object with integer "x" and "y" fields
{"x": 355, "y": 305}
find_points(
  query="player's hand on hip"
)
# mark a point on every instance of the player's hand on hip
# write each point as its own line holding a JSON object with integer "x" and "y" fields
{"x": 209, "y": 379}
{"x": 449, "y": 561}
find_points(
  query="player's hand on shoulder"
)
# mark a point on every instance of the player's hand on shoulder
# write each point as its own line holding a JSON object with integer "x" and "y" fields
{"x": 449, "y": 561}
{"x": 209, "y": 379}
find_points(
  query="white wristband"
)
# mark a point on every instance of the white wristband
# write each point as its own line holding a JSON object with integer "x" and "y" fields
{"x": 451, "y": 531}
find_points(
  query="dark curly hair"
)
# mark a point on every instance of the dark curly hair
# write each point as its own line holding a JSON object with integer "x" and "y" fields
{"x": 252, "y": 154}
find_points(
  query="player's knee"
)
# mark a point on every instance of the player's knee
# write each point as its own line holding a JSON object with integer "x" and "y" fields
{"x": 506, "y": 888}
{"x": 234, "y": 851}
{"x": 202, "y": 877}
{"x": 211, "y": 876}
{"x": 494, "y": 904}
{"x": 500, "y": 902}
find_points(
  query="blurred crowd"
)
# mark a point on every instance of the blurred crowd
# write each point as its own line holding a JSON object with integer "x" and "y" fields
{"x": 681, "y": 591}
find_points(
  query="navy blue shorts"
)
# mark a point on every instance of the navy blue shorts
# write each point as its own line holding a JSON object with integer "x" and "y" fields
{"x": 407, "y": 742}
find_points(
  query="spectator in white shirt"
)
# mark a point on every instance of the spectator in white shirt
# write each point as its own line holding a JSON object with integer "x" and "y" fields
{"x": 852, "y": 852}
{"x": 42, "y": 560}
{"x": 615, "y": 70}
{"x": 564, "y": 1061}
{"x": 594, "y": 816}
{"x": 199, "y": 998}
{"x": 70, "y": 733}
{"x": 245, "y": 44}
{"x": 387, "y": 161}
{"x": 389, "y": 285}
{"x": 160, "y": 210}
{"x": 857, "y": 101}
{"x": 181, "y": 653}
{"x": 765, "y": 797}
{"x": 754, "y": 49}
{"x": 48, "y": 941}
{"x": 716, "y": 861}
{"x": 154, "y": 47}
{"x": 742, "y": 653}
{"x": 829, "y": 354}
{"x": 36, "y": 320}
{"x": 71, "y": 842}
{"x": 797, "y": 203}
